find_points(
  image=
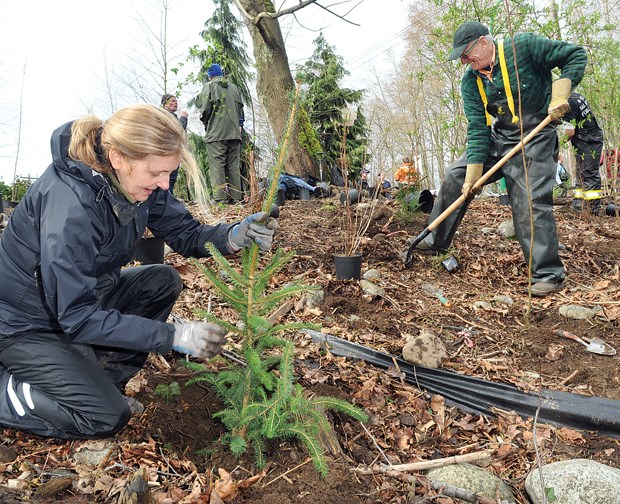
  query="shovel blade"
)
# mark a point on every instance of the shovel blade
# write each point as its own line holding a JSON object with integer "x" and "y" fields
{"x": 600, "y": 347}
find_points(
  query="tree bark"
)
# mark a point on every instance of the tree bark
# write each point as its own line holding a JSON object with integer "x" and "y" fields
{"x": 275, "y": 82}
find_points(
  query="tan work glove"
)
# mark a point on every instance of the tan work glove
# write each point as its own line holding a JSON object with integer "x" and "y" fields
{"x": 560, "y": 91}
{"x": 473, "y": 173}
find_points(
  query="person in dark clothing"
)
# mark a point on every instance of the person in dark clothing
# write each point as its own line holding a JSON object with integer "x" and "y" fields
{"x": 74, "y": 326}
{"x": 222, "y": 115}
{"x": 487, "y": 94}
{"x": 170, "y": 103}
{"x": 586, "y": 137}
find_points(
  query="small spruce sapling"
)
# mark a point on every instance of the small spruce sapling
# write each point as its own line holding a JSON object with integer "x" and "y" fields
{"x": 262, "y": 401}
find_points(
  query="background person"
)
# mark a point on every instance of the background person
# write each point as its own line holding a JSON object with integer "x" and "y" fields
{"x": 586, "y": 137}
{"x": 170, "y": 103}
{"x": 406, "y": 175}
{"x": 74, "y": 326}
{"x": 222, "y": 115}
{"x": 486, "y": 96}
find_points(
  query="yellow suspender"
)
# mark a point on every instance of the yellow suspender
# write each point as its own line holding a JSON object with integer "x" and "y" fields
{"x": 485, "y": 102}
{"x": 509, "y": 98}
{"x": 504, "y": 69}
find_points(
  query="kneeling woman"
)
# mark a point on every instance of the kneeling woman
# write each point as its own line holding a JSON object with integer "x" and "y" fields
{"x": 74, "y": 326}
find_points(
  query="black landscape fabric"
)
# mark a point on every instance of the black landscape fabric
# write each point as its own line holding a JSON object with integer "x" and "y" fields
{"x": 474, "y": 395}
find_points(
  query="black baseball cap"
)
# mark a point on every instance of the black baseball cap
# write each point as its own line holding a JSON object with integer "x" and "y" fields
{"x": 466, "y": 33}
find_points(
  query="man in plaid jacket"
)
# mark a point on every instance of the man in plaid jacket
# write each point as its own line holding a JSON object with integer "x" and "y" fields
{"x": 491, "y": 103}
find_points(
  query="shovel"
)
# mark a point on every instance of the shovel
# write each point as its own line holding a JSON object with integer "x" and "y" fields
{"x": 460, "y": 200}
{"x": 592, "y": 345}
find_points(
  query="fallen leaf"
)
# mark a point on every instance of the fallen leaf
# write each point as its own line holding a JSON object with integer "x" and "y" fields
{"x": 555, "y": 352}
{"x": 225, "y": 487}
{"x": 571, "y": 435}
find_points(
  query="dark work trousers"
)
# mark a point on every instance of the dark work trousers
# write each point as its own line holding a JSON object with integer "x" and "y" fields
{"x": 541, "y": 159}
{"x": 224, "y": 159}
{"x": 53, "y": 387}
{"x": 588, "y": 157}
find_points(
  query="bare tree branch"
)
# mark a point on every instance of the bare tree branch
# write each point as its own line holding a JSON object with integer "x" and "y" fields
{"x": 274, "y": 15}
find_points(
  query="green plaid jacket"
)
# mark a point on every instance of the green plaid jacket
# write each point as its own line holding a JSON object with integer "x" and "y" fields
{"x": 536, "y": 57}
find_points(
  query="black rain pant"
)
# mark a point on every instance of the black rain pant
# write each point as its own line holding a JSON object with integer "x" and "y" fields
{"x": 588, "y": 156}
{"x": 541, "y": 155}
{"x": 53, "y": 387}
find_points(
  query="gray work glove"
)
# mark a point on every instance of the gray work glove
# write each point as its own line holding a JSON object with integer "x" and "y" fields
{"x": 199, "y": 339}
{"x": 258, "y": 227}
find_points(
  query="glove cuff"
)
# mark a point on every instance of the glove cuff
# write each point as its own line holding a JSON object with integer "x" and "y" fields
{"x": 231, "y": 244}
{"x": 473, "y": 173}
{"x": 561, "y": 88}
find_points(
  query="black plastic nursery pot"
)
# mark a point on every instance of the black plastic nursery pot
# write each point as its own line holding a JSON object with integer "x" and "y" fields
{"x": 348, "y": 267}
{"x": 423, "y": 200}
{"x": 351, "y": 197}
{"x": 150, "y": 251}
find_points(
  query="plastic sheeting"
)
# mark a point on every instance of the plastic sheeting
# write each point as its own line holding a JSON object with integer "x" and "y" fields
{"x": 478, "y": 396}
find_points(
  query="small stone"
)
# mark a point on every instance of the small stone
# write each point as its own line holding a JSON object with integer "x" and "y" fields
{"x": 501, "y": 299}
{"x": 576, "y": 312}
{"x": 506, "y": 229}
{"x": 482, "y": 305}
{"x": 372, "y": 275}
{"x": 371, "y": 289}
{"x": 425, "y": 350}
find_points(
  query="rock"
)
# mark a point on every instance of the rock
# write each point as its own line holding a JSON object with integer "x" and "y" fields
{"x": 575, "y": 482}
{"x": 379, "y": 237}
{"x": 313, "y": 298}
{"x": 482, "y": 305}
{"x": 501, "y": 299}
{"x": 576, "y": 312}
{"x": 473, "y": 478}
{"x": 507, "y": 229}
{"x": 371, "y": 289}
{"x": 487, "y": 230}
{"x": 425, "y": 350}
{"x": 372, "y": 275}
{"x": 92, "y": 453}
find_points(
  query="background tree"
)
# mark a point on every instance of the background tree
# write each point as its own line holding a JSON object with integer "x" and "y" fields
{"x": 224, "y": 45}
{"x": 333, "y": 109}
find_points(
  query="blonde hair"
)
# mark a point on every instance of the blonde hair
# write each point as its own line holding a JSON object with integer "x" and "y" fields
{"x": 136, "y": 131}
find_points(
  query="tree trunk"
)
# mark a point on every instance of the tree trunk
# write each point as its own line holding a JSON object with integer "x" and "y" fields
{"x": 275, "y": 84}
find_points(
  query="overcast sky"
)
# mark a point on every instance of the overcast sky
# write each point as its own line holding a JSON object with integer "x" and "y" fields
{"x": 58, "y": 49}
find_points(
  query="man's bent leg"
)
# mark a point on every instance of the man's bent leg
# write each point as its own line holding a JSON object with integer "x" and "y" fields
{"x": 450, "y": 191}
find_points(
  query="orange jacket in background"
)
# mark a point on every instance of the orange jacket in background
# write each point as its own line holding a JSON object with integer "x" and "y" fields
{"x": 406, "y": 174}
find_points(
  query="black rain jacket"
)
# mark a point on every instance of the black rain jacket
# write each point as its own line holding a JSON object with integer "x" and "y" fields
{"x": 65, "y": 245}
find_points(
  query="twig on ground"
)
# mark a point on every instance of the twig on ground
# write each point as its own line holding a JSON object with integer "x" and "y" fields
{"x": 374, "y": 441}
{"x": 283, "y": 475}
{"x": 566, "y": 380}
{"x": 428, "y": 464}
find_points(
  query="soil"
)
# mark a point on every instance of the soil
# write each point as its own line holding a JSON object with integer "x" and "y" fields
{"x": 178, "y": 440}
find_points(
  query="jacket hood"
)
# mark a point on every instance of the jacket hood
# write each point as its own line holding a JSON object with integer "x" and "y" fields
{"x": 221, "y": 81}
{"x": 74, "y": 172}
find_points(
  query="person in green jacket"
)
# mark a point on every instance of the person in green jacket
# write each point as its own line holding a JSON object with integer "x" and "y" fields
{"x": 491, "y": 104}
{"x": 222, "y": 115}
